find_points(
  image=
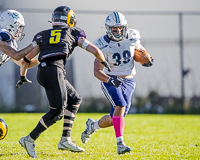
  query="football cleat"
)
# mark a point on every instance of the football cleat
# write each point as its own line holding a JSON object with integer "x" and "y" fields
{"x": 3, "y": 129}
{"x": 29, "y": 146}
{"x": 122, "y": 148}
{"x": 70, "y": 146}
{"x": 85, "y": 136}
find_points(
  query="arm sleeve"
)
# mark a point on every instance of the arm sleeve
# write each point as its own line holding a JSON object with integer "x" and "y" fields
{"x": 81, "y": 33}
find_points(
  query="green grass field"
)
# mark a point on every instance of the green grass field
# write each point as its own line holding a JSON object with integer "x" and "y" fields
{"x": 151, "y": 137}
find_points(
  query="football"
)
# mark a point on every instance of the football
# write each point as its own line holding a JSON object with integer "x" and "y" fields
{"x": 3, "y": 129}
{"x": 142, "y": 56}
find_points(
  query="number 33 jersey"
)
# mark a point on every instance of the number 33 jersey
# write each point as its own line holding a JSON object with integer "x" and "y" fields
{"x": 120, "y": 55}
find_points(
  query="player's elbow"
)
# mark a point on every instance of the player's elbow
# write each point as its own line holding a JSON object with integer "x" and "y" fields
{"x": 93, "y": 49}
{"x": 96, "y": 73}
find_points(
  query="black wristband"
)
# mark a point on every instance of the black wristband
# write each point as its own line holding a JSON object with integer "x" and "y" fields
{"x": 26, "y": 60}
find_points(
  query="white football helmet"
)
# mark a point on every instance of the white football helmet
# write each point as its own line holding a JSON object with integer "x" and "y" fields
{"x": 13, "y": 21}
{"x": 116, "y": 19}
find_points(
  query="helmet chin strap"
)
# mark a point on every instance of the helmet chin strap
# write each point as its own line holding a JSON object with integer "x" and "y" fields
{"x": 12, "y": 36}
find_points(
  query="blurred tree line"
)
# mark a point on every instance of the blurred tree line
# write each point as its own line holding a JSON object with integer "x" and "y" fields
{"x": 152, "y": 104}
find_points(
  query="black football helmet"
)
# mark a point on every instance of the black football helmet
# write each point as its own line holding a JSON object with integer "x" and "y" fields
{"x": 63, "y": 16}
{"x": 3, "y": 129}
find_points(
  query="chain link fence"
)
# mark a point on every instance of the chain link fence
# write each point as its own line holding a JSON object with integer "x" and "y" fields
{"x": 158, "y": 87}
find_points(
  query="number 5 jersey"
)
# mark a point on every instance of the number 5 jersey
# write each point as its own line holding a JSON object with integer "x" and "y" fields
{"x": 59, "y": 43}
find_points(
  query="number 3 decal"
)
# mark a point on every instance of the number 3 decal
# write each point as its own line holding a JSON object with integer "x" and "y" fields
{"x": 126, "y": 57}
{"x": 55, "y": 36}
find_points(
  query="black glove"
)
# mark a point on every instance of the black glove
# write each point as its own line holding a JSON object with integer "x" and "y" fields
{"x": 21, "y": 81}
{"x": 115, "y": 81}
{"x": 106, "y": 64}
{"x": 149, "y": 64}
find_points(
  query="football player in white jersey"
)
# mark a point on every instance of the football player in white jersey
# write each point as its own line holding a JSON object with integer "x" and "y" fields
{"x": 11, "y": 30}
{"x": 118, "y": 46}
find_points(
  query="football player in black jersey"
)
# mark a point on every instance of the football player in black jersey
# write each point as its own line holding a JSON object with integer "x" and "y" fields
{"x": 57, "y": 45}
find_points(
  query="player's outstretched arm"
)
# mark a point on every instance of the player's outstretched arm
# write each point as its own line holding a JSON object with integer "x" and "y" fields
{"x": 85, "y": 44}
{"x": 16, "y": 55}
{"x": 98, "y": 73}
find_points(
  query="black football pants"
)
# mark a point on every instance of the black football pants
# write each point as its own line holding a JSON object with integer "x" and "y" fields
{"x": 58, "y": 90}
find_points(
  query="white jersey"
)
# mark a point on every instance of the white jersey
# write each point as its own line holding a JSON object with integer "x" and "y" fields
{"x": 120, "y": 55}
{"x": 6, "y": 37}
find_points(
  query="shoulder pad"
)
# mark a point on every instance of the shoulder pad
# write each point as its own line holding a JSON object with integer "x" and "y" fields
{"x": 133, "y": 34}
{"x": 5, "y": 37}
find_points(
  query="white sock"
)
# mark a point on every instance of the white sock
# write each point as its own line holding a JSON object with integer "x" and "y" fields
{"x": 96, "y": 125}
{"x": 120, "y": 139}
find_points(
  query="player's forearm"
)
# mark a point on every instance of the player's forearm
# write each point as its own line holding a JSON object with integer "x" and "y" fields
{"x": 101, "y": 75}
{"x": 23, "y": 68}
{"x": 23, "y": 72}
{"x": 96, "y": 52}
{"x": 23, "y": 52}
{"x": 85, "y": 44}
{"x": 98, "y": 71}
{"x": 33, "y": 53}
{"x": 99, "y": 55}
{"x": 34, "y": 45}
{"x": 33, "y": 63}
{"x": 16, "y": 55}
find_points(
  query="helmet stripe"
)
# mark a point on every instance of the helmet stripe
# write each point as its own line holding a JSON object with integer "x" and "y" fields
{"x": 117, "y": 17}
{"x": 69, "y": 18}
{"x": 3, "y": 129}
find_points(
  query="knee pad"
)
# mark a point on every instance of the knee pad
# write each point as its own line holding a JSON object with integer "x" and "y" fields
{"x": 58, "y": 115}
{"x": 74, "y": 100}
{"x": 52, "y": 116}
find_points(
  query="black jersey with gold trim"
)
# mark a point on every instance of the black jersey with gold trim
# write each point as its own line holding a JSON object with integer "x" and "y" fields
{"x": 59, "y": 41}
